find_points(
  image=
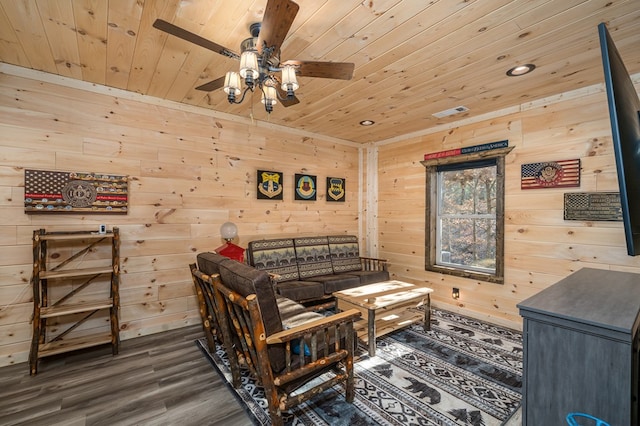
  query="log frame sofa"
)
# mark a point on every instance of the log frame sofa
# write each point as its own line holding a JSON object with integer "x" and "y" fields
{"x": 309, "y": 270}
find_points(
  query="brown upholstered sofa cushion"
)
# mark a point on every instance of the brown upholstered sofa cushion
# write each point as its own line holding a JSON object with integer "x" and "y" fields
{"x": 345, "y": 258}
{"x": 278, "y": 257}
{"x": 246, "y": 280}
{"x": 313, "y": 256}
{"x": 277, "y": 312}
{"x": 208, "y": 262}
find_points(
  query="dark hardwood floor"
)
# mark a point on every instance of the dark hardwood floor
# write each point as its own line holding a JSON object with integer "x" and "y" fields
{"x": 162, "y": 379}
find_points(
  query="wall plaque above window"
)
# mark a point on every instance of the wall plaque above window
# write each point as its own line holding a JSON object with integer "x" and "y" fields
{"x": 75, "y": 192}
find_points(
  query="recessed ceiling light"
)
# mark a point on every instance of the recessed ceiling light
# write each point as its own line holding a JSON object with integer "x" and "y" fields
{"x": 367, "y": 123}
{"x": 521, "y": 70}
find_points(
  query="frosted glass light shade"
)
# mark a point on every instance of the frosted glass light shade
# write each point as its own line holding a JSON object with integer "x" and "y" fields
{"x": 289, "y": 78}
{"x": 249, "y": 64}
{"x": 232, "y": 83}
{"x": 228, "y": 231}
{"x": 269, "y": 94}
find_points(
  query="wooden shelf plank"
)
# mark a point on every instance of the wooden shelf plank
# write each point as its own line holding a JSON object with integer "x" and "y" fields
{"x": 56, "y": 311}
{"x": 387, "y": 324}
{"x": 75, "y": 236}
{"x": 76, "y": 272}
{"x": 62, "y": 346}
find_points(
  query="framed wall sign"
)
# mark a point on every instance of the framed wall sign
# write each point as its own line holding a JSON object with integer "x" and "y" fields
{"x": 269, "y": 185}
{"x": 306, "y": 188}
{"x": 336, "y": 189}
{"x": 587, "y": 206}
{"x": 550, "y": 174}
{"x": 75, "y": 192}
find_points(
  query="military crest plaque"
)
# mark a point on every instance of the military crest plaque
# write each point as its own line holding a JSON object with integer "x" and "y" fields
{"x": 306, "y": 188}
{"x": 269, "y": 185}
{"x": 336, "y": 188}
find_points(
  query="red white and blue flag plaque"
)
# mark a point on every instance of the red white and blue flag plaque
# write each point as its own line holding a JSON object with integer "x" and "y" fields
{"x": 75, "y": 192}
{"x": 550, "y": 174}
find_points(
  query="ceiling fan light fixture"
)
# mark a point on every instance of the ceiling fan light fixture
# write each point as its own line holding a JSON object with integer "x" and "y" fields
{"x": 260, "y": 59}
{"x": 269, "y": 96}
{"x": 249, "y": 65}
{"x": 232, "y": 84}
{"x": 289, "y": 81}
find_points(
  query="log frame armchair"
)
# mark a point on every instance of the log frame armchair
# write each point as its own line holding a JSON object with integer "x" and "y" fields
{"x": 204, "y": 293}
{"x": 283, "y": 359}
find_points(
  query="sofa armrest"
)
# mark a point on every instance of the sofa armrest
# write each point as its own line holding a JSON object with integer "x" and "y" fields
{"x": 373, "y": 264}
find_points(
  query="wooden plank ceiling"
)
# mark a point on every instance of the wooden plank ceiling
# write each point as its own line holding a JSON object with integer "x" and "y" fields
{"x": 412, "y": 58}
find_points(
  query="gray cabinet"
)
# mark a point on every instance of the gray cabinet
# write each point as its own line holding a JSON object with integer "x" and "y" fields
{"x": 581, "y": 349}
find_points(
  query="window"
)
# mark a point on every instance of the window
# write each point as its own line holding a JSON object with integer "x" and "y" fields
{"x": 465, "y": 216}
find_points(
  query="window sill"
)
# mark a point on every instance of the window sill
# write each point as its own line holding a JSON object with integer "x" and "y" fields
{"x": 466, "y": 274}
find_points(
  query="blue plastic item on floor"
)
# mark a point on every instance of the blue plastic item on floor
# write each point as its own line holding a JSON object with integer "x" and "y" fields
{"x": 573, "y": 418}
{"x": 295, "y": 348}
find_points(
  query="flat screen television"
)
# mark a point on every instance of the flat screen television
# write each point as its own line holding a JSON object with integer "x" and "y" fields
{"x": 624, "y": 112}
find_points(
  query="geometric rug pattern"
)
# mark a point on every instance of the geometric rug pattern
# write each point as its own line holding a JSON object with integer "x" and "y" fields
{"x": 461, "y": 372}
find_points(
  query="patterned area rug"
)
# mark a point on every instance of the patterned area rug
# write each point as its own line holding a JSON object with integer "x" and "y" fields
{"x": 461, "y": 372}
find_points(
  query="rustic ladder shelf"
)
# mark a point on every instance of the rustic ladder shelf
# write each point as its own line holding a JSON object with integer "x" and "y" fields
{"x": 46, "y": 275}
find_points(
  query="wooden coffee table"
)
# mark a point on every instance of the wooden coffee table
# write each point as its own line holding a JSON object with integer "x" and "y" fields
{"x": 385, "y": 306}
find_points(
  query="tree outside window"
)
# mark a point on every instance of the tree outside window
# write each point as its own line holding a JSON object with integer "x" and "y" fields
{"x": 466, "y": 219}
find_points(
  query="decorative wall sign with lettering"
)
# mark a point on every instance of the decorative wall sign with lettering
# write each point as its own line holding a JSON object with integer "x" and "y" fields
{"x": 75, "y": 192}
{"x": 599, "y": 206}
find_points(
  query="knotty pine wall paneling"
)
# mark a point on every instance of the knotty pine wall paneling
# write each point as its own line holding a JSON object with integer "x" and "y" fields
{"x": 540, "y": 247}
{"x": 190, "y": 171}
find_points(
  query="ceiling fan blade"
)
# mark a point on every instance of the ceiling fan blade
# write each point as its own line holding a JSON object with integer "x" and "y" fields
{"x": 212, "y": 85}
{"x": 276, "y": 22}
{"x": 169, "y": 28}
{"x": 336, "y": 70}
{"x": 288, "y": 102}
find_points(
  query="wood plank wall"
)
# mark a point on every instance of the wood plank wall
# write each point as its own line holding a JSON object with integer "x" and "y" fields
{"x": 190, "y": 172}
{"x": 540, "y": 247}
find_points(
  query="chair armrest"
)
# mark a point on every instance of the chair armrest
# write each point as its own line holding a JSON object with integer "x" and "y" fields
{"x": 313, "y": 326}
{"x": 203, "y": 276}
{"x": 373, "y": 264}
{"x": 274, "y": 277}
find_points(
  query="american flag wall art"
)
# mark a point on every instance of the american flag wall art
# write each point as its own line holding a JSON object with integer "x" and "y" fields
{"x": 75, "y": 192}
{"x": 550, "y": 174}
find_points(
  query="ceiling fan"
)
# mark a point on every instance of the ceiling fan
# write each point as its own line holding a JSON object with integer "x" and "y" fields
{"x": 260, "y": 59}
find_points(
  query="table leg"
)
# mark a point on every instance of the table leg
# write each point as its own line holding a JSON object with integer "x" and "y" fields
{"x": 371, "y": 330}
{"x": 427, "y": 314}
